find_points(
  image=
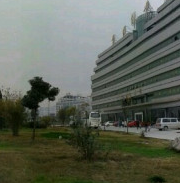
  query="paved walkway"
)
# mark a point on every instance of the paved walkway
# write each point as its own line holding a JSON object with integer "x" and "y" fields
{"x": 154, "y": 133}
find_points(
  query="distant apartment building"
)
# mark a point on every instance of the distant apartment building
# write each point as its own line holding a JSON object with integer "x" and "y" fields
{"x": 73, "y": 101}
{"x": 142, "y": 67}
{"x": 47, "y": 111}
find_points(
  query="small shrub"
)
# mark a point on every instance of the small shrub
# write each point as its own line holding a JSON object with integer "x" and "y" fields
{"x": 77, "y": 124}
{"x": 84, "y": 139}
{"x": 157, "y": 179}
{"x": 45, "y": 120}
{"x": 39, "y": 125}
{"x": 142, "y": 134}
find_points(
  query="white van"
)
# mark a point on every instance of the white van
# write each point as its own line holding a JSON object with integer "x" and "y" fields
{"x": 167, "y": 123}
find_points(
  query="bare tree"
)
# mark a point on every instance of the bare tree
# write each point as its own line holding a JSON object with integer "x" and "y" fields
{"x": 126, "y": 102}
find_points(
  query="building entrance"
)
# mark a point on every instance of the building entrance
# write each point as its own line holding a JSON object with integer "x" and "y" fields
{"x": 139, "y": 116}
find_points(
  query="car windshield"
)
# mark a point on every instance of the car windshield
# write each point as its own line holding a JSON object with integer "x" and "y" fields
{"x": 95, "y": 115}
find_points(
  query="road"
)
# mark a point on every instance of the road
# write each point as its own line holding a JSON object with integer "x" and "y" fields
{"x": 153, "y": 133}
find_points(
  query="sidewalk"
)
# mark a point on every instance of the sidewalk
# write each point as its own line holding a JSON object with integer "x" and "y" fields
{"x": 153, "y": 133}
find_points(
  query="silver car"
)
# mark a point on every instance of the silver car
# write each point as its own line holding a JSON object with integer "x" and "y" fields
{"x": 167, "y": 123}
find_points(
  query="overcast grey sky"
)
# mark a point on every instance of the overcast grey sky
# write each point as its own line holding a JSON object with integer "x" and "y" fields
{"x": 59, "y": 40}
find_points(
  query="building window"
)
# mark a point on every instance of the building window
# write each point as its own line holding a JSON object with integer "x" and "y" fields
{"x": 176, "y": 38}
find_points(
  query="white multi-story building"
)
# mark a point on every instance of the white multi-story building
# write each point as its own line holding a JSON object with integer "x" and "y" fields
{"x": 142, "y": 67}
{"x": 47, "y": 111}
{"x": 73, "y": 101}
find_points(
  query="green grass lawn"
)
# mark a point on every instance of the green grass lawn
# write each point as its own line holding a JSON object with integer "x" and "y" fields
{"x": 121, "y": 158}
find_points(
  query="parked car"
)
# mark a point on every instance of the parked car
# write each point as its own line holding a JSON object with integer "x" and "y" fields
{"x": 167, "y": 123}
{"x": 132, "y": 124}
{"x": 109, "y": 123}
{"x": 116, "y": 123}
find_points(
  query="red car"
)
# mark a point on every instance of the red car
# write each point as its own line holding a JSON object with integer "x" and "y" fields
{"x": 132, "y": 123}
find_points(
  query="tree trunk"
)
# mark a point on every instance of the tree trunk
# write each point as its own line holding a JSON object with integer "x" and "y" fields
{"x": 127, "y": 126}
{"x": 34, "y": 125}
{"x": 48, "y": 107}
{"x": 15, "y": 129}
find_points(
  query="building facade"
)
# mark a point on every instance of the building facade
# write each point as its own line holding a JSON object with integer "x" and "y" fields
{"x": 47, "y": 111}
{"x": 140, "y": 73}
{"x": 73, "y": 101}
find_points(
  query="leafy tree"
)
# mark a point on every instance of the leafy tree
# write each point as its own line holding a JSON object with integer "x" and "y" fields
{"x": 40, "y": 90}
{"x": 0, "y": 95}
{"x": 52, "y": 93}
{"x": 71, "y": 111}
{"x": 51, "y": 96}
{"x": 12, "y": 113}
{"x": 62, "y": 115}
{"x": 2, "y": 121}
{"x": 46, "y": 121}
